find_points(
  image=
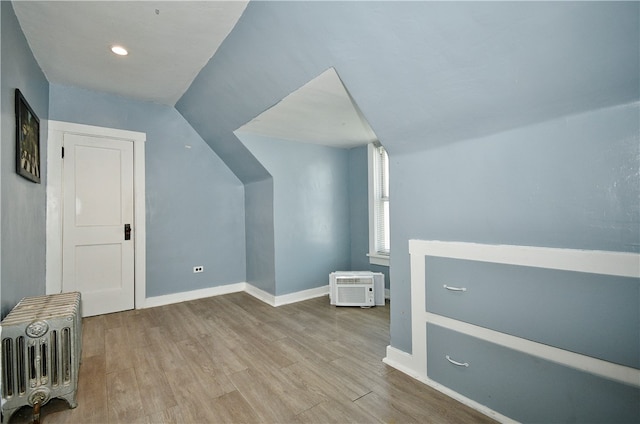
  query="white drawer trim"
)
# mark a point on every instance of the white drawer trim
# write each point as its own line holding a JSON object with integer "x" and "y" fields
{"x": 622, "y": 264}
{"x": 620, "y": 373}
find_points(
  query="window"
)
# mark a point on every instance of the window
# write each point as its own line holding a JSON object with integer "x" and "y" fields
{"x": 379, "y": 245}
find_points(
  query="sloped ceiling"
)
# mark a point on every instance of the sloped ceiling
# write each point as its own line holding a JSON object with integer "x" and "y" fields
{"x": 168, "y": 42}
{"x": 319, "y": 112}
{"x": 422, "y": 73}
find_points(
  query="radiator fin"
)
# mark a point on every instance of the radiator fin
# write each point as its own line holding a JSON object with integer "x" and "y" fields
{"x": 66, "y": 355}
{"x": 55, "y": 364}
{"x": 8, "y": 382}
{"x": 21, "y": 368}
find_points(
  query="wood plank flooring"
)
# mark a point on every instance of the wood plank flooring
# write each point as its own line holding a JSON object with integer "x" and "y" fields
{"x": 234, "y": 359}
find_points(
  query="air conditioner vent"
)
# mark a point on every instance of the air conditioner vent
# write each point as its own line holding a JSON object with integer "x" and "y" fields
{"x": 353, "y": 280}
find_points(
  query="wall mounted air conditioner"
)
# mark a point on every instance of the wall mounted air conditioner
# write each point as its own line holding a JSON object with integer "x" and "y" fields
{"x": 356, "y": 288}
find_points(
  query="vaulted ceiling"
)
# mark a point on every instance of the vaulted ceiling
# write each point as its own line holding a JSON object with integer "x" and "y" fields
{"x": 168, "y": 43}
{"x": 422, "y": 73}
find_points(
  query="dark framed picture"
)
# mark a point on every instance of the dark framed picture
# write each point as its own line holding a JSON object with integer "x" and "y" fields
{"x": 27, "y": 140}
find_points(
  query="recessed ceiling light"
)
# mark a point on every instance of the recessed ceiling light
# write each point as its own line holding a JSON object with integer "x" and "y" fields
{"x": 119, "y": 50}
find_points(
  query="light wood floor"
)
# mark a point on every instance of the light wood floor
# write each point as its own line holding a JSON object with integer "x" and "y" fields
{"x": 235, "y": 359}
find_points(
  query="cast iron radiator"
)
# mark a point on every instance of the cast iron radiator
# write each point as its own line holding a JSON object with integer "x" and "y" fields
{"x": 41, "y": 348}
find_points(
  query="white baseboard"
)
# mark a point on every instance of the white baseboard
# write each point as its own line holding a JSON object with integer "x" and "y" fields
{"x": 259, "y": 294}
{"x": 168, "y": 299}
{"x": 403, "y": 362}
{"x": 286, "y": 299}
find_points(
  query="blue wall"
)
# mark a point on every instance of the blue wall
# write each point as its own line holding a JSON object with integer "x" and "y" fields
{"x": 260, "y": 237}
{"x": 194, "y": 203}
{"x": 505, "y": 123}
{"x": 435, "y": 80}
{"x": 22, "y": 259}
{"x": 572, "y": 182}
{"x": 310, "y": 210}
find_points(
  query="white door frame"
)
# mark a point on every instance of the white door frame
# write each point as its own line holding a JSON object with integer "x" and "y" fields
{"x": 57, "y": 129}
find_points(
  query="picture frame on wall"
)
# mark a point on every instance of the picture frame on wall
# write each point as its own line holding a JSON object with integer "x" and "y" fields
{"x": 27, "y": 140}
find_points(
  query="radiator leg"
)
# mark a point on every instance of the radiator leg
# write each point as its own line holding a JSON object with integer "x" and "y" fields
{"x": 7, "y": 414}
{"x": 71, "y": 399}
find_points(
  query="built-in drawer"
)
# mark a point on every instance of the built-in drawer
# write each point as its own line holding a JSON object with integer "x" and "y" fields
{"x": 592, "y": 314}
{"x": 523, "y": 387}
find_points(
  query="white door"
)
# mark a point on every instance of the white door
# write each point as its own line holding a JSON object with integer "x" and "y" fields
{"x": 98, "y": 251}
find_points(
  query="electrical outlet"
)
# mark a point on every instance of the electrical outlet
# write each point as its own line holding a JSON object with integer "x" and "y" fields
{"x": 198, "y": 268}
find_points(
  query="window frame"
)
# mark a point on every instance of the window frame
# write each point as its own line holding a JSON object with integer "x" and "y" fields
{"x": 376, "y": 255}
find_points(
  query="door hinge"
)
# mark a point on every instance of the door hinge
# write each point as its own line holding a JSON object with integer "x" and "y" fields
{"x": 62, "y": 152}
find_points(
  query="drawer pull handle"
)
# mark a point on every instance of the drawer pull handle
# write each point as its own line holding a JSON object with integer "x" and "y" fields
{"x": 462, "y": 289}
{"x": 459, "y": 364}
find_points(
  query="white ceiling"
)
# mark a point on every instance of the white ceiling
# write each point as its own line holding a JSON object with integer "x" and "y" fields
{"x": 169, "y": 42}
{"x": 319, "y": 112}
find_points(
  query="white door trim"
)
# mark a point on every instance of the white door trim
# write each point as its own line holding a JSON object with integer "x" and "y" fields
{"x": 57, "y": 129}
